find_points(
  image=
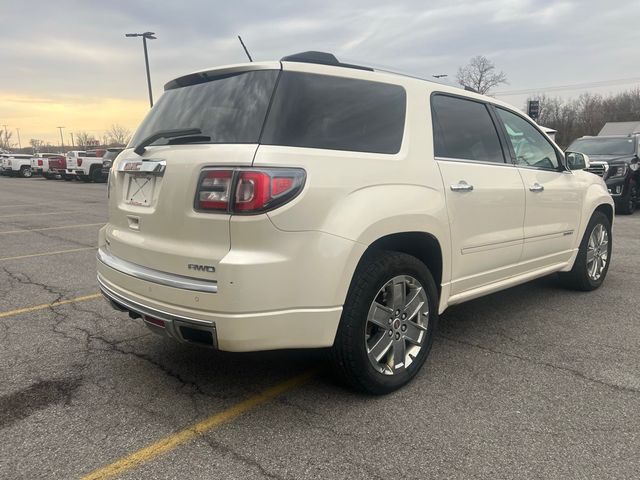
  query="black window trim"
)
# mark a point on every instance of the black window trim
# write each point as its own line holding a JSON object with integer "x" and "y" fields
{"x": 512, "y": 154}
{"x": 506, "y": 154}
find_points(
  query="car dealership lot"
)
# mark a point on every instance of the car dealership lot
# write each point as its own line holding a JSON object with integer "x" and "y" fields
{"x": 536, "y": 381}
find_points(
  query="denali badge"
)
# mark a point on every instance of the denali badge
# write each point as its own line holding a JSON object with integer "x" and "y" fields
{"x": 201, "y": 268}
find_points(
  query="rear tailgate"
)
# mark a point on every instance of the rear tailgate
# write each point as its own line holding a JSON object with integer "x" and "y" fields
{"x": 152, "y": 221}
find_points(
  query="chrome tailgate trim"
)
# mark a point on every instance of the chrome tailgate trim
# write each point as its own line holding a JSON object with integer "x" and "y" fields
{"x": 155, "y": 276}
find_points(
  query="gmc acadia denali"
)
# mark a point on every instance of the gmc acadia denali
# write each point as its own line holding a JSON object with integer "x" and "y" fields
{"x": 308, "y": 203}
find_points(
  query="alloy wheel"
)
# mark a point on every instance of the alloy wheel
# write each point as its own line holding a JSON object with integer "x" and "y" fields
{"x": 397, "y": 323}
{"x": 597, "y": 252}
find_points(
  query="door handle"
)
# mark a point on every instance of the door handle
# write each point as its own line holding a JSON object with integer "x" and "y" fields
{"x": 461, "y": 186}
{"x": 536, "y": 187}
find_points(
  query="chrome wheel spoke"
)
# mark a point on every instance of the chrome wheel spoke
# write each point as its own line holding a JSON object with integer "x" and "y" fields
{"x": 379, "y": 315}
{"x": 414, "y": 304}
{"x": 591, "y": 255}
{"x": 381, "y": 346}
{"x": 399, "y": 354}
{"x": 414, "y": 333}
{"x": 399, "y": 297}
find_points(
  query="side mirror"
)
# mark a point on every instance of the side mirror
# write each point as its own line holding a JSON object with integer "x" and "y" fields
{"x": 577, "y": 161}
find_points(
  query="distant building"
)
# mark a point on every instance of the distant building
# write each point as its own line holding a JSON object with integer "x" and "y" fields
{"x": 620, "y": 128}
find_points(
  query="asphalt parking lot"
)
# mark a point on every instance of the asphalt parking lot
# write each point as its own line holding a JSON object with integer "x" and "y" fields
{"x": 532, "y": 382}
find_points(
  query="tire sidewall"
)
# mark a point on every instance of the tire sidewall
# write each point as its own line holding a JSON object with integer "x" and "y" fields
{"x": 357, "y": 307}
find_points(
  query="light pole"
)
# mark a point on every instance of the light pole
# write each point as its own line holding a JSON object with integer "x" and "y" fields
{"x": 61, "y": 139}
{"x": 6, "y": 136}
{"x": 19, "y": 142}
{"x": 145, "y": 36}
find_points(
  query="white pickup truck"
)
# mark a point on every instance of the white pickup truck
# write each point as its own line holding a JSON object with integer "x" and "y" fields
{"x": 16, "y": 164}
{"x": 85, "y": 165}
{"x": 40, "y": 163}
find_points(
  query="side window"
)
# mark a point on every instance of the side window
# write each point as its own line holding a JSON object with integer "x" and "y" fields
{"x": 532, "y": 149}
{"x": 464, "y": 129}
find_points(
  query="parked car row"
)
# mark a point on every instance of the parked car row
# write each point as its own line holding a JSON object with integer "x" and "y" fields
{"x": 87, "y": 166}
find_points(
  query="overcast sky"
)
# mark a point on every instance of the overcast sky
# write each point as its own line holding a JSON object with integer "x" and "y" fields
{"x": 68, "y": 63}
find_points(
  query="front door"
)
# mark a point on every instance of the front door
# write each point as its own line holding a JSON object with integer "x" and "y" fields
{"x": 553, "y": 196}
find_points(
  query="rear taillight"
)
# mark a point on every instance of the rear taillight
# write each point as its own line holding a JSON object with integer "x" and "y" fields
{"x": 79, "y": 162}
{"x": 247, "y": 191}
{"x": 40, "y": 163}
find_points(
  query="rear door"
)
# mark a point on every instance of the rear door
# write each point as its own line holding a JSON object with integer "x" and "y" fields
{"x": 484, "y": 193}
{"x": 553, "y": 195}
{"x": 152, "y": 219}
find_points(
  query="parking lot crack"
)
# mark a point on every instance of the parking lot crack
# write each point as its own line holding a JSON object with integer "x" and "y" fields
{"x": 572, "y": 371}
{"x": 248, "y": 461}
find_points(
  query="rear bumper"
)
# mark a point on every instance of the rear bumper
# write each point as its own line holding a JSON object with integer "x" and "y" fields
{"x": 234, "y": 332}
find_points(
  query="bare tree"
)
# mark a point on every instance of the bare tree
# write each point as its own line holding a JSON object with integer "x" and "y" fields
{"x": 82, "y": 139}
{"x": 5, "y": 140}
{"x": 36, "y": 144}
{"x": 480, "y": 74}
{"x": 587, "y": 114}
{"x": 118, "y": 135}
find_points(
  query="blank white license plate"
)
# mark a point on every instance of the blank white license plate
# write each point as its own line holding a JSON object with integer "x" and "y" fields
{"x": 140, "y": 189}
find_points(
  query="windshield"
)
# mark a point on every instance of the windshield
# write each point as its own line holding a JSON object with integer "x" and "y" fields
{"x": 603, "y": 146}
{"x": 228, "y": 109}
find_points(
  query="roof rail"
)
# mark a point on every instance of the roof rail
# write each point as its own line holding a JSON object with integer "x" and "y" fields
{"x": 321, "y": 58}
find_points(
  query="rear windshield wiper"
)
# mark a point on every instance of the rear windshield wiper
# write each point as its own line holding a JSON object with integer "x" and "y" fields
{"x": 179, "y": 132}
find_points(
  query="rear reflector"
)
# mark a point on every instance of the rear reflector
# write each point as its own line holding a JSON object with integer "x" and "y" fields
{"x": 254, "y": 190}
{"x": 154, "y": 321}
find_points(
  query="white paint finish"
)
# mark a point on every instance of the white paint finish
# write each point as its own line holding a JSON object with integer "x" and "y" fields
{"x": 486, "y": 222}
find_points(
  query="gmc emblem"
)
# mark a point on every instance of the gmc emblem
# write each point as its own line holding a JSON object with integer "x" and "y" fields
{"x": 201, "y": 268}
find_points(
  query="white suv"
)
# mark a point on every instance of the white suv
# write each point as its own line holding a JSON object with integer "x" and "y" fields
{"x": 308, "y": 203}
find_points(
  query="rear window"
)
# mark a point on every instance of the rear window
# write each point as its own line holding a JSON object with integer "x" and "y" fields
{"x": 307, "y": 110}
{"x": 321, "y": 111}
{"x": 463, "y": 129}
{"x": 228, "y": 109}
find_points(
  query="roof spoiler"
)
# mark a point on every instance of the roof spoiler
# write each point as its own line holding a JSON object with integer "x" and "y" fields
{"x": 321, "y": 58}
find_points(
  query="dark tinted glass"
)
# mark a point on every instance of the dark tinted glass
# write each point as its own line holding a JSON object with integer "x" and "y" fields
{"x": 110, "y": 154}
{"x": 464, "y": 129}
{"x": 229, "y": 109}
{"x": 320, "y": 111}
{"x": 603, "y": 146}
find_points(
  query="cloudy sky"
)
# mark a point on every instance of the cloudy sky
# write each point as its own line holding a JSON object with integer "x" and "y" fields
{"x": 67, "y": 63}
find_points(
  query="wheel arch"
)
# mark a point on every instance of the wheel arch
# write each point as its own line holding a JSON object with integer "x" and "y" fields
{"x": 422, "y": 245}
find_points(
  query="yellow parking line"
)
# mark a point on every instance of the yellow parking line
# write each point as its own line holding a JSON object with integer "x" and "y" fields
{"x": 172, "y": 441}
{"x": 48, "y": 253}
{"x": 44, "y": 306}
{"x": 51, "y": 228}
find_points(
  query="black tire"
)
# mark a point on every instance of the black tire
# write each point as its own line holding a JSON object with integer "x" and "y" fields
{"x": 48, "y": 176}
{"x": 349, "y": 352}
{"x": 67, "y": 177}
{"x": 25, "y": 172}
{"x": 96, "y": 174}
{"x": 84, "y": 178}
{"x": 578, "y": 278}
{"x": 627, "y": 204}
